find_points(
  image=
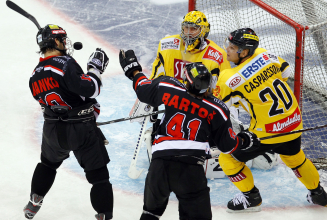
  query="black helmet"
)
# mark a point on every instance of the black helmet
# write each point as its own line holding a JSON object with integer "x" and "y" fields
{"x": 245, "y": 38}
{"x": 46, "y": 36}
{"x": 198, "y": 76}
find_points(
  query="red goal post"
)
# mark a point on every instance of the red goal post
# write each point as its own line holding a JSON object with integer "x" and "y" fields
{"x": 296, "y": 30}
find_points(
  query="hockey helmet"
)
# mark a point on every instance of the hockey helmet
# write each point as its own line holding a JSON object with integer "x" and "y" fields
{"x": 195, "y": 20}
{"x": 46, "y": 36}
{"x": 198, "y": 76}
{"x": 244, "y": 38}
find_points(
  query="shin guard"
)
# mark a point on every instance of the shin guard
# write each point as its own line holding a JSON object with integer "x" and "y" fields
{"x": 238, "y": 173}
{"x": 303, "y": 169}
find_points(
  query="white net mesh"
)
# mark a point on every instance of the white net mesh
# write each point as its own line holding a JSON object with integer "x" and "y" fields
{"x": 275, "y": 35}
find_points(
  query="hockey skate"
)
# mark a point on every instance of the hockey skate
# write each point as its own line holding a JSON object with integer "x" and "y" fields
{"x": 33, "y": 206}
{"x": 245, "y": 202}
{"x": 317, "y": 196}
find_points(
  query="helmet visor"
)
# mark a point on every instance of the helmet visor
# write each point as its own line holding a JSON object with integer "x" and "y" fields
{"x": 190, "y": 32}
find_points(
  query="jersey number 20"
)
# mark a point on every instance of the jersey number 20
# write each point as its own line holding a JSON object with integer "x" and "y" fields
{"x": 278, "y": 86}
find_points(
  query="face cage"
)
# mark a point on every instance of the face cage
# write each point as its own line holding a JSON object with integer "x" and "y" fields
{"x": 188, "y": 39}
{"x": 69, "y": 46}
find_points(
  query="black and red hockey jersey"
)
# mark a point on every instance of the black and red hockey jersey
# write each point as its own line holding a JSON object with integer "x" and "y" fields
{"x": 59, "y": 80}
{"x": 189, "y": 123}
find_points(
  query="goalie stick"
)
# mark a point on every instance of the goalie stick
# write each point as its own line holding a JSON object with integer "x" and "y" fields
{"x": 133, "y": 172}
{"x": 129, "y": 118}
{"x": 21, "y": 11}
{"x": 293, "y": 132}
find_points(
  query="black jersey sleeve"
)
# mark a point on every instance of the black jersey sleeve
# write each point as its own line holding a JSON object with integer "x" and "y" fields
{"x": 147, "y": 90}
{"x": 87, "y": 85}
{"x": 225, "y": 138}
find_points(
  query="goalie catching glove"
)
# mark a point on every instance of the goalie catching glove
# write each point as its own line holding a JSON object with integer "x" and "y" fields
{"x": 129, "y": 63}
{"x": 250, "y": 141}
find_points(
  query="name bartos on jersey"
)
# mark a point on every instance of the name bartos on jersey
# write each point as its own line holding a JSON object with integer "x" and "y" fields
{"x": 256, "y": 65}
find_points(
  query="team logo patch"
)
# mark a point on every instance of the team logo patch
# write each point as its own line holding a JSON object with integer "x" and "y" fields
{"x": 85, "y": 77}
{"x": 97, "y": 61}
{"x": 235, "y": 81}
{"x": 145, "y": 82}
{"x": 232, "y": 134}
{"x": 170, "y": 43}
{"x": 286, "y": 124}
{"x": 255, "y": 65}
{"x": 213, "y": 54}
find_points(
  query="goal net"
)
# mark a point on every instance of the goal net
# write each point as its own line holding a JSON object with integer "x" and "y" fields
{"x": 296, "y": 31}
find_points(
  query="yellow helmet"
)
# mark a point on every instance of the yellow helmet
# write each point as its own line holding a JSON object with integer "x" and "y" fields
{"x": 195, "y": 28}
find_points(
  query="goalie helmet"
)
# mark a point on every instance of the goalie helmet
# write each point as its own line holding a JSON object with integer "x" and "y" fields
{"x": 198, "y": 77}
{"x": 244, "y": 38}
{"x": 46, "y": 36}
{"x": 195, "y": 28}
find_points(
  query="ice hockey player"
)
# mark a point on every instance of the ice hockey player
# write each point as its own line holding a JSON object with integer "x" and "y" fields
{"x": 191, "y": 45}
{"x": 258, "y": 83}
{"x": 67, "y": 98}
{"x": 192, "y": 117}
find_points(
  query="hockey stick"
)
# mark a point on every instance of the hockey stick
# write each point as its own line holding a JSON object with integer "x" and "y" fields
{"x": 293, "y": 132}
{"x": 129, "y": 118}
{"x": 133, "y": 173}
{"x": 21, "y": 11}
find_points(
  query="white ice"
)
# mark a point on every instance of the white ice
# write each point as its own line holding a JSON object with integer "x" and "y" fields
{"x": 21, "y": 124}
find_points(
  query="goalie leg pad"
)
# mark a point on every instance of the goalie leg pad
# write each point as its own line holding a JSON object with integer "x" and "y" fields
{"x": 237, "y": 172}
{"x": 303, "y": 169}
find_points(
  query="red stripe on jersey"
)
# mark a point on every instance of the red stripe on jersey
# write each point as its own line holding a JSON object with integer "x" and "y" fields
{"x": 235, "y": 146}
{"x": 219, "y": 109}
{"x": 139, "y": 79}
{"x": 43, "y": 59}
{"x": 60, "y": 70}
{"x": 161, "y": 139}
{"x": 96, "y": 110}
{"x": 173, "y": 85}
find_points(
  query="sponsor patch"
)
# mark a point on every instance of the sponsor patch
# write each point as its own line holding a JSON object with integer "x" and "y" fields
{"x": 286, "y": 124}
{"x": 273, "y": 57}
{"x": 58, "y": 32}
{"x": 170, "y": 43}
{"x": 178, "y": 68}
{"x": 39, "y": 38}
{"x": 250, "y": 36}
{"x": 238, "y": 178}
{"x": 213, "y": 54}
{"x": 235, "y": 81}
{"x": 255, "y": 65}
{"x": 297, "y": 173}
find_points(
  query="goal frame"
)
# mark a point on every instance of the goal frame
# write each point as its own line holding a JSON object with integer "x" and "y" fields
{"x": 299, "y": 44}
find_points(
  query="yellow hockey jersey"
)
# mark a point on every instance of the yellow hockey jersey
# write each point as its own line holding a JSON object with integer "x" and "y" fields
{"x": 259, "y": 85}
{"x": 174, "y": 57}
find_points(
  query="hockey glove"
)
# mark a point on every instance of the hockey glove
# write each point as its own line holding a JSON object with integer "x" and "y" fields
{"x": 98, "y": 60}
{"x": 129, "y": 63}
{"x": 250, "y": 141}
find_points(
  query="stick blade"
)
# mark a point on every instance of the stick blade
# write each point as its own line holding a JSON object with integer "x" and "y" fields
{"x": 133, "y": 173}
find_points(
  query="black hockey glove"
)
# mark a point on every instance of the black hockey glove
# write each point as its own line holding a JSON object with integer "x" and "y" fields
{"x": 98, "y": 60}
{"x": 250, "y": 141}
{"x": 129, "y": 63}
